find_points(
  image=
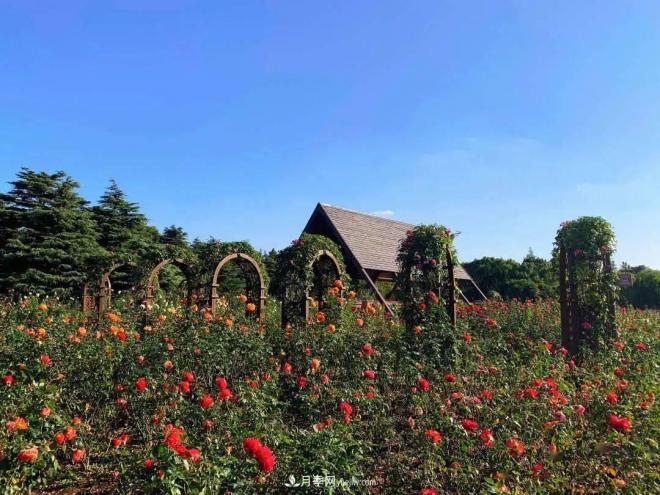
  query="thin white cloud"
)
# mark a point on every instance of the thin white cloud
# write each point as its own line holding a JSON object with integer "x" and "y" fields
{"x": 383, "y": 213}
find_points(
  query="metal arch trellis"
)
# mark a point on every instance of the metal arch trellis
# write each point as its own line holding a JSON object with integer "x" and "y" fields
{"x": 151, "y": 279}
{"x": 214, "y": 283}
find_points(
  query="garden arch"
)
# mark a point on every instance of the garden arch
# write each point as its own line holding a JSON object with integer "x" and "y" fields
{"x": 151, "y": 279}
{"x": 216, "y": 273}
{"x": 587, "y": 283}
{"x": 103, "y": 298}
{"x": 320, "y": 290}
{"x": 105, "y": 285}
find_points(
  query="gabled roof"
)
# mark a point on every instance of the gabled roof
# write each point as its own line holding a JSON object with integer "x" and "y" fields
{"x": 373, "y": 241}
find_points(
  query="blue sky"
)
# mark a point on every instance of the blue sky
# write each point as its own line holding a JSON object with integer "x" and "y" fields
{"x": 498, "y": 119}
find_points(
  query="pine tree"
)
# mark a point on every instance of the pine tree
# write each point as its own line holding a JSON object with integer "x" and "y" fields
{"x": 123, "y": 230}
{"x": 48, "y": 239}
{"x": 174, "y": 235}
{"x": 124, "y": 233}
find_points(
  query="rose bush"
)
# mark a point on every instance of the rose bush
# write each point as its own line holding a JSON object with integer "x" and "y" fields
{"x": 169, "y": 400}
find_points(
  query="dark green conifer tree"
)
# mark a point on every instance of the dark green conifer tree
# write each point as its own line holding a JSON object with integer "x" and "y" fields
{"x": 48, "y": 239}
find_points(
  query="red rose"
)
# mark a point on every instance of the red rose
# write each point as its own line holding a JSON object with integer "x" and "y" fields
{"x": 434, "y": 435}
{"x": 184, "y": 386}
{"x": 8, "y": 380}
{"x": 78, "y": 455}
{"x": 141, "y": 384}
{"x": 251, "y": 444}
{"x": 206, "y": 401}
{"x": 369, "y": 374}
{"x": 515, "y": 446}
{"x": 188, "y": 376}
{"x": 424, "y": 384}
{"x": 148, "y": 463}
{"x": 469, "y": 424}
{"x": 265, "y": 458}
{"x": 450, "y": 377}
{"x": 69, "y": 433}
{"x": 28, "y": 455}
{"x": 486, "y": 437}
{"x": 619, "y": 423}
{"x": 193, "y": 454}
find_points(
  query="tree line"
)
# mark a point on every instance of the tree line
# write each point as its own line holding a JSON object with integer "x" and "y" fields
{"x": 53, "y": 240}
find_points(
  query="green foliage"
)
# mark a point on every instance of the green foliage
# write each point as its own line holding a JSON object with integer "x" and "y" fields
{"x": 645, "y": 292}
{"x": 591, "y": 282}
{"x": 531, "y": 279}
{"x": 293, "y": 279}
{"x": 270, "y": 262}
{"x": 236, "y": 277}
{"x": 125, "y": 234}
{"x": 48, "y": 238}
{"x": 422, "y": 282}
{"x": 123, "y": 230}
{"x": 174, "y": 235}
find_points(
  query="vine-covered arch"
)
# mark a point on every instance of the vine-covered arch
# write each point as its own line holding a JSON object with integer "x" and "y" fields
{"x": 321, "y": 288}
{"x": 587, "y": 282}
{"x": 294, "y": 275}
{"x": 427, "y": 285}
{"x": 215, "y": 296}
{"x": 150, "y": 280}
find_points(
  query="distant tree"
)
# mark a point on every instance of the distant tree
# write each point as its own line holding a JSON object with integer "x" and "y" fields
{"x": 270, "y": 262}
{"x": 493, "y": 274}
{"x": 645, "y": 292}
{"x": 174, "y": 235}
{"x": 541, "y": 273}
{"x": 506, "y": 278}
{"x": 48, "y": 238}
{"x": 625, "y": 267}
{"x": 123, "y": 230}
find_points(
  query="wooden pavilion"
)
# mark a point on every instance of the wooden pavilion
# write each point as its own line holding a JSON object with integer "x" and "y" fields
{"x": 370, "y": 245}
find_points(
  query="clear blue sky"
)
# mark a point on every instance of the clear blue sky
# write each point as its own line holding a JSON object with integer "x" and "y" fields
{"x": 498, "y": 119}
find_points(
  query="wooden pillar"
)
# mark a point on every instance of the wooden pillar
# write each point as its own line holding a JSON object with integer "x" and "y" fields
{"x": 214, "y": 298}
{"x": 576, "y": 316}
{"x": 105, "y": 295}
{"x": 611, "y": 303}
{"x": 451, "y": 289}
{"x": 563, "y": 301}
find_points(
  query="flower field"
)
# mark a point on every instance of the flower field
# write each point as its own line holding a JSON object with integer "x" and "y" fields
{"x": 170, "y": 400}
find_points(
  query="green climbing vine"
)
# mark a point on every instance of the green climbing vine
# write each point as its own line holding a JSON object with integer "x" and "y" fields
{"x": 423, "y": 284}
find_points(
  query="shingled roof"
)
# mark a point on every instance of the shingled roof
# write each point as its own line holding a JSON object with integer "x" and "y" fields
{"x": 372, "y": 240}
